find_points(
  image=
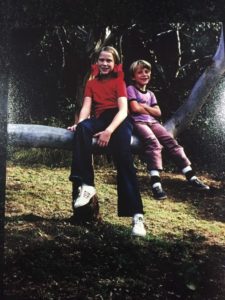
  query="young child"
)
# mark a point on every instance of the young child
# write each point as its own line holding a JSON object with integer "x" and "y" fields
{"x": 144, "y": 112}
{"x": 105, "y": 96}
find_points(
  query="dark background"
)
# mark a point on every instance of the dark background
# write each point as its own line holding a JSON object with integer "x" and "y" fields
{"x": 52, "y": 45}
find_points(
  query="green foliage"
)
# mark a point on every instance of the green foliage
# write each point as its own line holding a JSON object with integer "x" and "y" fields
{"x": 49, "y": 65}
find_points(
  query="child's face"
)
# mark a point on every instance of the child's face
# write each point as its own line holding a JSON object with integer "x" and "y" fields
{"x": 142, "y": 76}
{"x": 105, "y": 62}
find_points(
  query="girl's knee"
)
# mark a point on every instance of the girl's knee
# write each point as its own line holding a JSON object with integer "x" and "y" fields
{"x": 84, "y": 126}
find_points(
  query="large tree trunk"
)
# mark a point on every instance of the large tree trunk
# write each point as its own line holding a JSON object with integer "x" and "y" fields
{"x": 40, "y": 136}
{"x": 4, "y": 50}
{"x": 200, "y": 92}
{"x": 3, "y": 147}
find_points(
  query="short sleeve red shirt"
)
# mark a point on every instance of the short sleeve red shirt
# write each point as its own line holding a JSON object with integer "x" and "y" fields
{"x": 105, "y": 93}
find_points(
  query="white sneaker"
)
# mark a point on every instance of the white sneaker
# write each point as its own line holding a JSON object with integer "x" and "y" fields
{"x": 86, "y": 192}
{"x": 138, "y": 225}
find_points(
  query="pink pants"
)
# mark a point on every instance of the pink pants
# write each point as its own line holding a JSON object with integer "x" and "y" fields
{"x": 154, "y": 136}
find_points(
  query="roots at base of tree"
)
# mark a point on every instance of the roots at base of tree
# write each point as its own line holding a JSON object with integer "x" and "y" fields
{"x": 87, "y": 213}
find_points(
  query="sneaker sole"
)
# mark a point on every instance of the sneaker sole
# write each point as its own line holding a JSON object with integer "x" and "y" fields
{"x": 139, "y": 235}
{"x": 160, "y": 198}
{"x": 199, "y": 189}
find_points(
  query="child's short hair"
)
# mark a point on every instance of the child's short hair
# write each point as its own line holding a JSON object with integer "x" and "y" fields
{"x": 139, "y": 63}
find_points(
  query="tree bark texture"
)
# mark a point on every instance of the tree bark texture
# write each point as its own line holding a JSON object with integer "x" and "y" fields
{"x": 200, "y": 93}
{"x": 41, "y": 136}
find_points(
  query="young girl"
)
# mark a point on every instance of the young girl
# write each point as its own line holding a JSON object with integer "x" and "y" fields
{"x": 144, "y": 111}
{"x": 105, "y": 96}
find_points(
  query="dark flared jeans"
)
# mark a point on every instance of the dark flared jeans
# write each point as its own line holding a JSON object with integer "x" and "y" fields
{"x": 129, "y": 200}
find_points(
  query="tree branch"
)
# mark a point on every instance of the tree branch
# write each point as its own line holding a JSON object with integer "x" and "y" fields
{"x": 40, "y": 136}
{"x": 200, "y": 92}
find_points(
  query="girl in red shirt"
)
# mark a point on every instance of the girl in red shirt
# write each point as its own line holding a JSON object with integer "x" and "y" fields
{"x": 105, "y": 98}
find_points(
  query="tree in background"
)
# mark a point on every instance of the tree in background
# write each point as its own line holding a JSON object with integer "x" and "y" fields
{"x": 49, "y": 66}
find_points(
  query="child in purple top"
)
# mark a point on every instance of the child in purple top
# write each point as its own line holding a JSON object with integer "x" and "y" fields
{"x": 144, "y": 113}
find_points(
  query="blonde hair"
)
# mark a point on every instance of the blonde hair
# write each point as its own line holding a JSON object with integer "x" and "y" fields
{"x": 111, "y": 50}
{"x": 139, "y": 63}
{"x": 96, "y": 55}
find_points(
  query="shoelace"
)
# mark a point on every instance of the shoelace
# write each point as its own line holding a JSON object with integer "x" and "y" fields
{"x": 86, "y": 194}
{"x": 138, "y": 221}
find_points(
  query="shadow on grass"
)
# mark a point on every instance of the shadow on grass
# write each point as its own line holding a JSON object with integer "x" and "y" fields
{"x": 209, "y": 204}
{"x": 54, "y": 259}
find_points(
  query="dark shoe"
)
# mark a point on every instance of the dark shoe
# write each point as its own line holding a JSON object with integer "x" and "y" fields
{"x": 75, "y": 194}
{"x": 75, "y": 191}
{"x": 198, "y": 184}
{"x": 158, "y": 193}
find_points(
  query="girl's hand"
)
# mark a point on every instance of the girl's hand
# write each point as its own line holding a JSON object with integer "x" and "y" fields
{"x": 103, "y": 138}
{"x": 72, "y": 128}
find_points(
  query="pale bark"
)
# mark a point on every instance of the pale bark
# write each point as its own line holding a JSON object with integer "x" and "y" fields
{"x": 40, "y": 136}
{"x": 200, "y": 93}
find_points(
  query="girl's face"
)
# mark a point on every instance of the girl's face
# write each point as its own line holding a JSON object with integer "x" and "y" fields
{"x": 141, "y": 77}
{"x": 105, "y": 63}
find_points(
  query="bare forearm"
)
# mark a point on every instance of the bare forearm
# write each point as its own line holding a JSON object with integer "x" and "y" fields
{"x": 84, "y": 114}
{"x": 153, "y": 111}
{"x": 120, "y": 116}
{"x": 117, "y": 120}
{"x": 145, "y": 109}
{"x": 85, "y": 110}
{"x": 105, "y": 135}
{"x": 139, "y": 109}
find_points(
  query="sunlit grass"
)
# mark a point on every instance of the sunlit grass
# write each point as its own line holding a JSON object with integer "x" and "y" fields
{"x": 46, "y": 192}
{"x": 47, "y": 257}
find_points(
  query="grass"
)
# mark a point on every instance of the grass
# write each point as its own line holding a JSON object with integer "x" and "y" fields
{"x": 47, "y": 257}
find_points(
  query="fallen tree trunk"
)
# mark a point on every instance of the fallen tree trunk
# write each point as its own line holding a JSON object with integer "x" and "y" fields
{"x": 40, "y": 136}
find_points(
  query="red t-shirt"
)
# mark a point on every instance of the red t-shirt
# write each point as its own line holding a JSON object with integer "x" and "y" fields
{"x": 105, "y": 93}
